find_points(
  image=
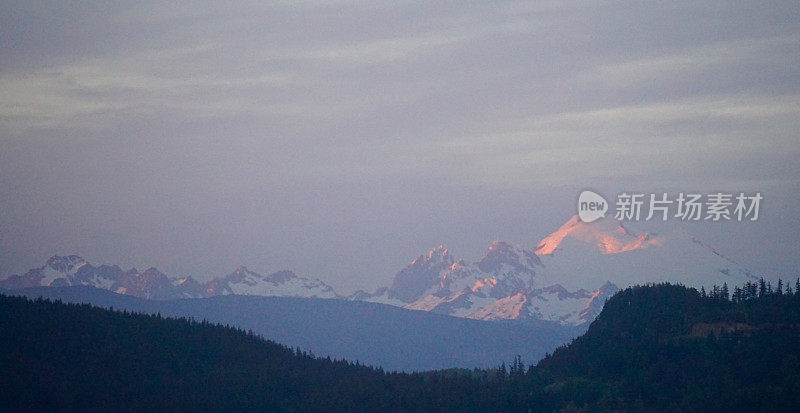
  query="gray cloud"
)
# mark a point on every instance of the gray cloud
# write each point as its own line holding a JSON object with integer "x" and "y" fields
{"x": 342, "y": 138}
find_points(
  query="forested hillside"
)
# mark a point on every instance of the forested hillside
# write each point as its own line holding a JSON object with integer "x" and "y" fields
{"x": 78, "y": 357}
{"x": 670, "y": 347}
{"x": 662, "y": 347}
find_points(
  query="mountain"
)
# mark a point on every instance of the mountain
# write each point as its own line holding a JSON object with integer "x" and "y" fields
{"x": 421, "y": 274}
{"x": 375, "y": 334}
{"x": 566, "y": 278}
{"x": 280, "y": 284}
{"x": 153, "y": 284}
{"x": 587, "y": 255}
{"x": 504, "y": 284}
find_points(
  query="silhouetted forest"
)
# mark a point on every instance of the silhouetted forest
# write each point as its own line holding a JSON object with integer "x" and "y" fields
{"x": 662, "y": 347}
{"x": 669, "y": 347}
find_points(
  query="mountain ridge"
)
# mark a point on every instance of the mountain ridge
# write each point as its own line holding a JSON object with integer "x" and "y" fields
{"x": 72, "y": 270}
{"x": 371, "y": 333}
{"x": 565, "y": 278}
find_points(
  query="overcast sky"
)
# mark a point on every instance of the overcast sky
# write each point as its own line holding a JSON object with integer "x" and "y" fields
{"x": 342, "y": 139}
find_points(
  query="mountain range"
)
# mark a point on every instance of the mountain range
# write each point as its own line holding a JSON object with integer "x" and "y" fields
{"x": 64, "y": 271}
{"x": 565, "y": 278}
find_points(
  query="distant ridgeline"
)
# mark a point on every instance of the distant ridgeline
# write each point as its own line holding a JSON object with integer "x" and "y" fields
{"x": 663, "y": 347}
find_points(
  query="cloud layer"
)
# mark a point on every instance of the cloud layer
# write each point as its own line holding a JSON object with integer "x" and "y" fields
{"x": 342, "y": 138}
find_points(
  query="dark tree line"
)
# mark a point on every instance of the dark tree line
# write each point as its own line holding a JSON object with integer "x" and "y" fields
{"x": 655, "y": 347}
{"x": 75, "y": 357}
{"x": 668, "y": 347}
{"x": 751, "y": 290}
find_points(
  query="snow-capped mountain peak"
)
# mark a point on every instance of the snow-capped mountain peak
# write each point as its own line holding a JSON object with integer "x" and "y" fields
{"x": 608, "y": 235}
{"x": 566, "y": 278}
{"x": 59, "y": 268}
{"x": 422, "y": 274}
{"x": 153, "y": 284}
{"x": 243, "y": 281}
{"x": 586, "y": 255}
{"x": 502, "y": 254}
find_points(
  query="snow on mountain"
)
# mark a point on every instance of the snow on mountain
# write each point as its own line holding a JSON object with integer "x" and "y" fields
{"x": 57, "y": 271}
{"x": 150, "y": 284}
{"x": 501, "y": 285}
{"x": 153, "y": 284}
{"x": 422, "y": 274}
{"x": 607, "y": 235}
{"x": 279, "y": 284}
{"x": 587, "y": 255}
{"x": 512, "y": 269}
{"x": 597, "y": 301}
{"x": 566, "y": 278}
{"x": 381, "y": 296}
